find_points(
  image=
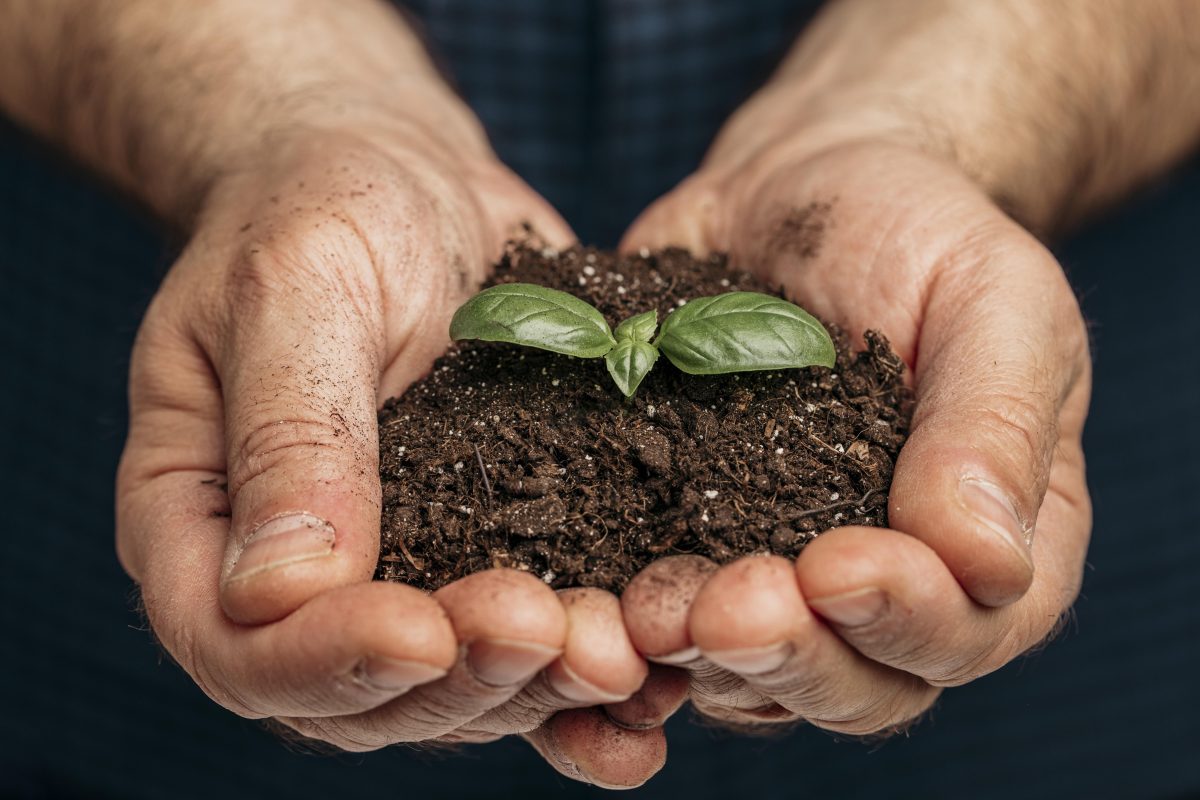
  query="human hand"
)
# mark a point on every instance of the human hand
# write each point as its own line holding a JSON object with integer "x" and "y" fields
{"x": 989, "y": 509}
{"x": 317, "y": 283}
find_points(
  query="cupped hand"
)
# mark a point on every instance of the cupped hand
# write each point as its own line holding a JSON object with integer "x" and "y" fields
{"x": 989, "y": 513}
{"x": 317, "y": 283}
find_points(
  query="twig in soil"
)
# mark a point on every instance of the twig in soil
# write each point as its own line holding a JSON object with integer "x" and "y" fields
{"x": 417, "y": 563}
{"x": 603, "y": 524}
{"x": 840, "y": 453}
{"x": 487, "y": 484}
{"x": 861, "y": 501}
{"x": 620, "y": 448}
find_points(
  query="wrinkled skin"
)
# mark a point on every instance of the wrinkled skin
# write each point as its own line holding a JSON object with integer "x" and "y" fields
{"x": 316, "y": 285}
{"x": 989, "y": 509}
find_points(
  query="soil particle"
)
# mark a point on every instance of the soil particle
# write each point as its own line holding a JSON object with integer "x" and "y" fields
{"x": 802, "y": 230}
{"x": 515, "y": 457}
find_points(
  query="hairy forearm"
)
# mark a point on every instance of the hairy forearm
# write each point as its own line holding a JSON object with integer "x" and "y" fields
{"x": 165, "y": 96}
{"x": 1055, "y": 108}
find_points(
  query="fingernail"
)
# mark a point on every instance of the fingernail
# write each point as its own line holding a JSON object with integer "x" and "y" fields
{"x": 997, "y": 512}
{"x": 567, "y": 682}
{"x": 393, "y": 674}
{"x": 685, "y": 656}
{"x": 616, "y": 718}
{"x": 852, "y": 609}
{"x": 502, "y": 662}
{"x": 752, "y": 660}
{"x": 283, "y": 540}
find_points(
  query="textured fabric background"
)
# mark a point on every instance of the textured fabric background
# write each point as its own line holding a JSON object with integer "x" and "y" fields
{"x": 601, "y": 105}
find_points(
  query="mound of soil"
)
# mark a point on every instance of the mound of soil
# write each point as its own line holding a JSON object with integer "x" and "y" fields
{"x": 505, "y": 456}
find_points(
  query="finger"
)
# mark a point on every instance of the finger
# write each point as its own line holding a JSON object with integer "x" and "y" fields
{"x": 1001, "y": 341}
{"x": 345, "y": 651}
{"x": 175, "y": 423}
{"x": 664, "y": 692}
{"x": 1002, "y": 346}
{"x": 687, "y": 217}
{"x": 585, "y": 745}
{"x": 656, "y": 605}
{"x": 895, "y": 601}
{"x": 341, "y": 654}
{"x": 750, "y": 618}
{"x": 298, "y": 356}
{"x": 512, "y": 626}
{"x": 995, "y": 338}
{"x": 598, "y": 665}
{"x": 511, "y": 205}
{"x": 993, "y": 332}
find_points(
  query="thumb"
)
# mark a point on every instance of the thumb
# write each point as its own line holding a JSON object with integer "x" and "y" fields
{"x": 510, "y": 204}
{"x": 690, "y": 216}
{"x": 298, "y": 368}
{"x": 1000, "y": 376}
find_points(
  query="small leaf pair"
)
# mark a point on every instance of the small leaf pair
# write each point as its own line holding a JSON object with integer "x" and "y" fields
{"x": 731, "y": 332}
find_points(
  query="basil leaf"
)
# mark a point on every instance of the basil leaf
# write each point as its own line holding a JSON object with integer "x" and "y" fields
{"x": 742, "y": 331}
{"x": 629, "y": 362}
{"x": 534, "y": 316}
{"x": 639, "y": 328}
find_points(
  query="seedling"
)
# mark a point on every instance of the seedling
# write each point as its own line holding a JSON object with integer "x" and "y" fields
{"x": 731, "y": 332}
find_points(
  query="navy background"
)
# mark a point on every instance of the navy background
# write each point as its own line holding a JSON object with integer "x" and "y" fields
{"x": 602, "y": 106}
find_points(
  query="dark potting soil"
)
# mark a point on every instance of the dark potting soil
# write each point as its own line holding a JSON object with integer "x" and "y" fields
{"x": 506, "y": 456}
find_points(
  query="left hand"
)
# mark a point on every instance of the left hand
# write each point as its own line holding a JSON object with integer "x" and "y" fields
{"x": 989, "y": 509}
{"x": 317, "y": 283}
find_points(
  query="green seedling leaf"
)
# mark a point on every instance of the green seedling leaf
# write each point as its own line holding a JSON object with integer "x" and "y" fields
{"x": 639, "y": 328}
{"x": 534, "y": 316}
{"x": 629, "y": 362}
{"x": 743, "y": 331}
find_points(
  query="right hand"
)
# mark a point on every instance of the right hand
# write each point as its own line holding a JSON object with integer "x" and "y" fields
{"x": 316, "y": 284}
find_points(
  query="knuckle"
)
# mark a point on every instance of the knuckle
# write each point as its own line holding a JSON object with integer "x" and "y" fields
{"x": 1049, "y": 630}
{"x": 944, "y": 657}
{"x": 887, "y": 717}
{"x": 965, "y": 665}
{"x": 892, "y": 640}
{"x": 257, "y": 277}
{"x": 794, "y": 685}
{"x": 1073, "y": 334}
{"x": 331, "y": 731}
{"x": 468, "y": 736}
{"x": 422, "y": 721}
{"x": 292, "y": 256}
{"x": 428, "y": 712}
{"x": 1023, "y": 424}
{"x": 766, "y": 717}
{"x": 525, "y": 712}
{"x": 328, "y": 265}
{"x": 220, "y": 691}
{"x": 276, "y": 442}
{"x": 181, "y": 641}
{"x": 1043, "y": 623}
{"x": 716, "y": 686}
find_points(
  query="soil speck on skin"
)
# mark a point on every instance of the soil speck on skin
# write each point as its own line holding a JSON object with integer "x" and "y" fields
{"x": 505, "y": 456}
{"x": 802, "y": 231}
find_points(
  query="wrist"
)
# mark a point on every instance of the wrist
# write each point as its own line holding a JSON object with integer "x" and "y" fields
{"x": 787, "y": 125}
{"x": 165, "y": 97}
{"x": 1023, "y": 98}
{"x": 421, "y": 122}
